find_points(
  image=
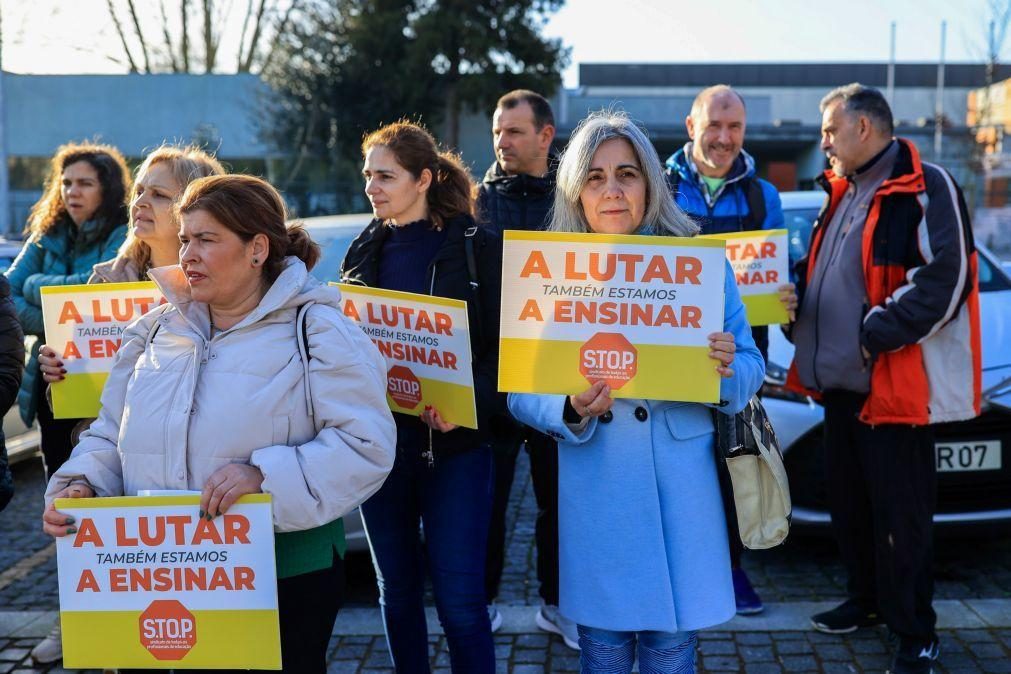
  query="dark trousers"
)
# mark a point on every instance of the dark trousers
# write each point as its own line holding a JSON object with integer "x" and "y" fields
{"x": 543, "y": 452}
{"x": 882, "y": 492}
{"x": 55, "y": 435}
{"x": 452, "y": 501}
{"x": 307, "y": 609}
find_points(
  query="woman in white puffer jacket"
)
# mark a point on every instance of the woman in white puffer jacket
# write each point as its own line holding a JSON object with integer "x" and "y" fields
{"x": 208, "y": 392}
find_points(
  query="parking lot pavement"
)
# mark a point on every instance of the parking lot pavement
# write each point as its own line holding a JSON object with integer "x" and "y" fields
{"x": 973, "y": 592}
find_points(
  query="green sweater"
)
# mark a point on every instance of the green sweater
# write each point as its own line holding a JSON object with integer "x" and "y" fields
{"x": 299, "y": 552}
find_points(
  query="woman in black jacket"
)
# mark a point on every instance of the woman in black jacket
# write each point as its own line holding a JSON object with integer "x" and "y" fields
{"x": 423, "y": 240}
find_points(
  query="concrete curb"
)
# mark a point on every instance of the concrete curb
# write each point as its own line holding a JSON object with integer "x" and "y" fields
{"x": 972, "y": 614}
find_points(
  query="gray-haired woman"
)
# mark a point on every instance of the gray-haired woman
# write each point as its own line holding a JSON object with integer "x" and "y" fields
{"x": 644, "y": 468}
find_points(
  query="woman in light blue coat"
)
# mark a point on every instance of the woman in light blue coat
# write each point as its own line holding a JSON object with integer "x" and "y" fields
{"x": 642, "y": 534}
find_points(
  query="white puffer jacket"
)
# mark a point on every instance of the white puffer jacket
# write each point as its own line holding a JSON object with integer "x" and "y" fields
{"x": 178, "y": 408}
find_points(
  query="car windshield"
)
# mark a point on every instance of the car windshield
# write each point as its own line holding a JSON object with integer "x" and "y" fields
{"x": 334, "y": 243}
{"x": 800, "y": 220}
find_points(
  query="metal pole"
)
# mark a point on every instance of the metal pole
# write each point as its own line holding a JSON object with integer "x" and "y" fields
{"x": 939, "y": 102}
{"x": 890, "y": 88}
{"x": 5, "y": 196}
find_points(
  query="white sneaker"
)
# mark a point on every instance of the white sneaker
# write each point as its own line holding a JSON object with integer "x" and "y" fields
{"x": 550, "y": 620}
{"x": 495, "y": 617}
{"x": 50, "y": 649}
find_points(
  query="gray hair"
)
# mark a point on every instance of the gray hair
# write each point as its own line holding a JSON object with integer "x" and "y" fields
{"x": 862, "y": 100}
{"x": 662, "y": 216}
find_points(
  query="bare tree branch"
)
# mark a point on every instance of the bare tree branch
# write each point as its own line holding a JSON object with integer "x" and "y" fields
{"x": 247, "y": 64}
{"x": 122, "y": 37}
{"x": 210, "y": 48}
{"x": 140, "y": 35}
{"x": 282, "y": 27}
{"x": 245, "y": 27}
{"x": 185, "y": 48}
{"x": 168, "y": 38}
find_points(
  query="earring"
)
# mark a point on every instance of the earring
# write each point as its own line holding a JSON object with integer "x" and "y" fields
{"x": 256, "y": 261}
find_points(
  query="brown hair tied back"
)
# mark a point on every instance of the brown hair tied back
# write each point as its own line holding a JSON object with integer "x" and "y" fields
{"x": 249, "y": 206}
{"x": 415, "y": 149}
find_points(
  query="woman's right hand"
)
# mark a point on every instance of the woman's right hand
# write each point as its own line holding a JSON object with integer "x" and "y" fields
{"x": 57, "y": 524}
{"x": 592, "y": 402}
{"x": 51, "y": 366}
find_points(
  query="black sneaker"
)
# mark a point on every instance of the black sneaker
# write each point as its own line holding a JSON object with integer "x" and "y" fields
{"x": 915, "y": 656}
{"x": 845, "y": 618}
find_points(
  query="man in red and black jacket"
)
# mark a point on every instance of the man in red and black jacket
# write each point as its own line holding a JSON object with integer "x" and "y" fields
{"x": 887, "y": 335}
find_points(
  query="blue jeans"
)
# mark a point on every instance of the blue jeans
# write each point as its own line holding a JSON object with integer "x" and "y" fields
{"x": 613, "y": 652}
{"x": 452, "y": 500}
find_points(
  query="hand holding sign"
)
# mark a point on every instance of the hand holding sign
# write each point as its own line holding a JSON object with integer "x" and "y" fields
{"x": 226, "y": 485}
{"x": 51, "y": 365}
{"x": 788, "y": 297}
{"x": 594, "y": 401}
{"x": 57, "y": 524}
{"x": 722, "y": 349}
{"x": 433, "y": 420}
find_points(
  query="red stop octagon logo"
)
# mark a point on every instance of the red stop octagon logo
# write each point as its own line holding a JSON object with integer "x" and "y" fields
{"x": 168, "y": 630}
{"x": 608, "y": 357}
{"x": 403, "y": 387}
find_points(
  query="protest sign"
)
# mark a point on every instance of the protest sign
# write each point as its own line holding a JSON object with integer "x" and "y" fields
{"x": 426, "y": 343}
{"x": 635, "y": 311}
{"x": 84, "y": 324}
{"x": 760, "y": 260}
{"x": 146, "y": 583}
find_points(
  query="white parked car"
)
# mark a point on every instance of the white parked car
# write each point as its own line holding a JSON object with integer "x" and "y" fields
{"x": 973, "y": 457}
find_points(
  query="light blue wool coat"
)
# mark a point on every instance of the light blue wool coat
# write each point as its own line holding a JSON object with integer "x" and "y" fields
{"x": 642, "y": 535}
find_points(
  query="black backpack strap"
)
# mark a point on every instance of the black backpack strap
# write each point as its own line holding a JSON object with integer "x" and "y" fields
{"x": 302, "y": 338}
{"x": 475, "y": 282}
{"x": 756, "y": 203}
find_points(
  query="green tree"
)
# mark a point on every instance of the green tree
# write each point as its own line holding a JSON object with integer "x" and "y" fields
{"x": 482, "y": 48}
{"x": 344, "y": 67}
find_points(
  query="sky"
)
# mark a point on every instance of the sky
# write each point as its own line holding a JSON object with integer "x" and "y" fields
{"x": 56, "y": 36}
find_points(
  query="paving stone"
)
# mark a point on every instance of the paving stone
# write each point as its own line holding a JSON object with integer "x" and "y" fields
{"x": 721, "y": 663}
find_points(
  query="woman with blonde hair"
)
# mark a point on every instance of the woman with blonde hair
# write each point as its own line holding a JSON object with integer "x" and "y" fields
{"x": 152, "y": 241}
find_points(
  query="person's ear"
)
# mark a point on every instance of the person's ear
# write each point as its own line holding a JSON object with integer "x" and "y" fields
{"x": 260, "y": 249}
{"x": 424, "y": 181}
{"x": 690, "y": 125}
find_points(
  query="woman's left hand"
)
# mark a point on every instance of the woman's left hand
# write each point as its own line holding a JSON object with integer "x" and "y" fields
{"x": 226, "y": 485}
{"x": 722, "y": 349}
{"x": 434, "y": 421}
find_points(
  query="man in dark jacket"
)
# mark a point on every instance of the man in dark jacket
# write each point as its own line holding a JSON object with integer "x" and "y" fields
{"x": 12, "y": 363}
{"x": 517, "y": 193}
{"x": 888, "y": 334}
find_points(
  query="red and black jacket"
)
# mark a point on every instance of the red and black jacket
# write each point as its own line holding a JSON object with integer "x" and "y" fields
{"x": 920, "y": 272}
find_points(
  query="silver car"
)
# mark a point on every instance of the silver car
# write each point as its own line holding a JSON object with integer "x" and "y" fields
{"x": 973, "y": 457}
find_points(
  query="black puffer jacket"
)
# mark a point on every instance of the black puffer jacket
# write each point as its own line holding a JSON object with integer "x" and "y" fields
{"x": 12, "y": 363}
{"x": 448, "y": 277}
{"x": 516, "y": 201}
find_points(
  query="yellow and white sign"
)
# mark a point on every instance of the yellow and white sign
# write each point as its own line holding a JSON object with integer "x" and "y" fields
{"x": 635, "y": 311}
{"x": 147, "y": 583}
{"x": 426, "y": 343}
{"x": 84, "y": 324}
{"x": 760, "y": 260}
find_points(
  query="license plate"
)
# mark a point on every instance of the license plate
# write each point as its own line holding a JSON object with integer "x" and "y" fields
{"x": 970, "y": 455}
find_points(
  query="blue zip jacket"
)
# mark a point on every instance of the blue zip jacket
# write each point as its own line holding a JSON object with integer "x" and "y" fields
{"x": 727, "y": 210}
{"x": 62, "y": 256}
